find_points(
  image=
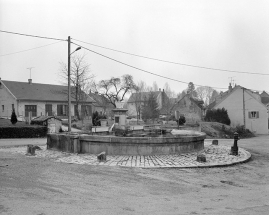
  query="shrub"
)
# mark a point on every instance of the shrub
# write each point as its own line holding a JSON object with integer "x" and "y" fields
{"x": 23, "y": 132}
{"x": 218, "y": 115}
{"x": 243, "y": 132}
{"x": 181, "y": 120}
{"x": 13, "y": 119}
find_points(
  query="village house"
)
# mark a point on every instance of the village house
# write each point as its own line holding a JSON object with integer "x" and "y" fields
{"x": 137, "y": 100}
{"x": 191, "y": 108}
{"x": 39, "y": 99}
{"x": 244, "y": 107}
{"x": 101, "y": 104}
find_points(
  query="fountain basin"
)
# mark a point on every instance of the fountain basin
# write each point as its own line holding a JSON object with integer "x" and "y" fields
{"x": 191, "y": 141}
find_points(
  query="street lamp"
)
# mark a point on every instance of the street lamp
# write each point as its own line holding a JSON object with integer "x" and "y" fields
{"x": 69, "y": 87}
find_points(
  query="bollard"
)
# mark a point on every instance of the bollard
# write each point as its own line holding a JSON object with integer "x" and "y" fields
{"x": 30, "y": 150}
{"x": 201, "y": 158}
{"x": 234, "y": 148}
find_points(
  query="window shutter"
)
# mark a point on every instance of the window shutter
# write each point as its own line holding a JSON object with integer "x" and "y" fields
{"x": 257, "y": 114}
{"x": 249, "y": 115}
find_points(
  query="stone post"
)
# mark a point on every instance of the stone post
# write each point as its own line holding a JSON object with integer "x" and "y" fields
{"x": 234, "y": 148}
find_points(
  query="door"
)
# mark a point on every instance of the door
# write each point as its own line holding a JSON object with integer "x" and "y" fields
{"x": 30, "y": 108}
{"x": 48, "y": 109}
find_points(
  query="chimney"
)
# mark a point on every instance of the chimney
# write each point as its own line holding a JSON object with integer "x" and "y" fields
{"x": 230, "y": 87}
{"x": 30, "y": 81}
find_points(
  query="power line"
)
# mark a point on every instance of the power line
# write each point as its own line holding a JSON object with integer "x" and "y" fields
{"x": 141, "y": 69}
{"x": 29, "y": 35}
{"x": 171, "y": 62}
{"x": 29, "y": 49}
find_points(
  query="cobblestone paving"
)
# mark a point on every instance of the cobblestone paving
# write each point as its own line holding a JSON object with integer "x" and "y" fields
{"x": 215, "y": 156}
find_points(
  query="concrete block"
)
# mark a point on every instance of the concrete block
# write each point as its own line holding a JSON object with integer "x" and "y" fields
{"x": 101, "y": 156}
{"x": 201, "y": 158}
{"x": 215, "y": 142}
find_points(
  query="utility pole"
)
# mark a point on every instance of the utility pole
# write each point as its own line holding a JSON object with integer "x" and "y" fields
{"x": 68, "y": 76}
{"x": 244, "y": 108}
{"x": 69, "y": 87}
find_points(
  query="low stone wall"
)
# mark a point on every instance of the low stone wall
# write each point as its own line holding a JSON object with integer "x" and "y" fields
{"x": 113, "y": 145}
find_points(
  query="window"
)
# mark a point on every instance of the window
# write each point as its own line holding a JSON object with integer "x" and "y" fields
{"x": 62, "y": 110}
{"x": 30, "y": 108}
{"x": 86, "y": 110}
{"x": 76, "y": 110}
{"x": 117, "y": 119}
{"x": 3, "y": 108}
{"x": 48, "y": 109}
{"x": 253, "y": 114}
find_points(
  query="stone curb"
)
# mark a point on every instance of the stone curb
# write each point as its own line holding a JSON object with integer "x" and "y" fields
{"x": 217, "y": 156}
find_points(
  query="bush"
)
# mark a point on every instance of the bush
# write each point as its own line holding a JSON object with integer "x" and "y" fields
{"x": 13, "y": 119}
{"x": 96, "y": 118}
{"x": 243, "y": 132}
{"x": 181, "y": 120}
{"x": 23, "y": 132}
{"x": 218, "y": 115}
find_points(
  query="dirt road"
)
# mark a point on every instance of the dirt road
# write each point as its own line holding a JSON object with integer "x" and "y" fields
{"x": 39, "y": 186}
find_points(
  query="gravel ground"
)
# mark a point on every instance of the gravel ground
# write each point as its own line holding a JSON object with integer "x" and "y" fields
{"x": 40, "y": 186}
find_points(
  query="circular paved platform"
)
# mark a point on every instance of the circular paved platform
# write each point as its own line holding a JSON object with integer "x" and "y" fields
{"x": 216, "y": 156}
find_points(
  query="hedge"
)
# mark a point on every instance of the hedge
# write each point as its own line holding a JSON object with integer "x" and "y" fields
{"x": 23, "y": 132}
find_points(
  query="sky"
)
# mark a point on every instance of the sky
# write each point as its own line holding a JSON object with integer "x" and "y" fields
{"x": 220, "y": 34}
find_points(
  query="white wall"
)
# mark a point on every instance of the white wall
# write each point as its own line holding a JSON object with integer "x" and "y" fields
{"x": 234, "y": 105}
{"x": 7, "y": 99}
{"x": 41, "y": 107}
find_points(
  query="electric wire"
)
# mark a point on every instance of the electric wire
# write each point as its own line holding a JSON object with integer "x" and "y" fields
{"x": 29, "y": 49}
{"x": 29, "y": 35}
{"x": 142, "y": 69}
{"x": 183, "y": 64}
{"x": 171, "y": 62}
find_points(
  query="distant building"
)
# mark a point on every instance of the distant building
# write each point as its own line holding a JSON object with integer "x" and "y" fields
{"x": 264, "y": 98}
{"x": 244, "y": 107}
{"x": 101, "y": 104}
{"x": 137, "y": 100}
{"x": 191, "y": 108}
{"x": 39, "y": 99}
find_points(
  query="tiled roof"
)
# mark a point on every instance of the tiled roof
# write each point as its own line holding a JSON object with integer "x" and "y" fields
{"x": 38, "y": 92}
{"x": 198, "y": 102}
{"x": 100, "y": 100}
{"x": 224, "y": 95}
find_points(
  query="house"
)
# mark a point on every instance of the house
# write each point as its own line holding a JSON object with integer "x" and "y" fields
{"x": 244, "y": 107}
{"x": 136, "y": 101}
{"x": 192, "y": 109}
{"x": 39, "y": 99}
{"x": 101, "y": 104}
{"x": 264, "y": 97}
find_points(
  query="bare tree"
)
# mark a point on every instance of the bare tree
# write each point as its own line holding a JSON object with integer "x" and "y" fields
{"x": 168, "y": 91}
{"x": 213, "y": 96}
{"x": 155, "y": 86}
{"x": 114, "y": 89}
{"x": 204, "y": 93}
{"x": 80, "y": 78}
{"x": 168, "y": 100}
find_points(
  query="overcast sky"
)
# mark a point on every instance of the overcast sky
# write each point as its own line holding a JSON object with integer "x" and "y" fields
{"x": 228, "y": 35}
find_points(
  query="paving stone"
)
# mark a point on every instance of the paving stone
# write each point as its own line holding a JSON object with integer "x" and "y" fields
{"x": 215, "y": 154}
